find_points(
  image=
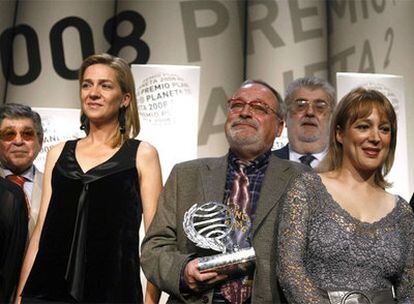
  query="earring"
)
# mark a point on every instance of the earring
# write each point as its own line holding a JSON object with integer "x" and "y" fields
{"x": 121, "y": 119}
{"x": 83, "y": 122}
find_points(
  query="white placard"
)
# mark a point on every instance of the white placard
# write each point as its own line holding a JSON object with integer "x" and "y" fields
{"x": 282, "y": 140}
{"x": 168, "y": 110}
{"x": 59, "y": 125}
{"x": 391, "y": 86}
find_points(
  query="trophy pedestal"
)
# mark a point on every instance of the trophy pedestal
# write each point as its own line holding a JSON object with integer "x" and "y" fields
{"x": 228, "y": 263}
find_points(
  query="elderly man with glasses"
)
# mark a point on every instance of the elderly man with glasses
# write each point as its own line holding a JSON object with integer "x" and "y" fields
{"x": 310, "y": 102}
{"x": 250, "y": 181}
{"x": 21, "y": 138}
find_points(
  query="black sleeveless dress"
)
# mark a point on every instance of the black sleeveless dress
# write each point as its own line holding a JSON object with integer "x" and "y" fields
{"x": 88, "y": 250}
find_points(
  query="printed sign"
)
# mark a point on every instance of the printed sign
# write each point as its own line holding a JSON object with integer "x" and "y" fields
{"x": 168, "y": 110}
{"x": 58, "y": 125}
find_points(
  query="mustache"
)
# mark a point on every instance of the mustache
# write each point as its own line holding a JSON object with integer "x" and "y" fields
{"x": 245, "y": 121}
{"x": 307, "y": 120}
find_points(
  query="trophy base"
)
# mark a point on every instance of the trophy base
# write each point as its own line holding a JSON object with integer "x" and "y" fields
{"x": 228, "y": 263}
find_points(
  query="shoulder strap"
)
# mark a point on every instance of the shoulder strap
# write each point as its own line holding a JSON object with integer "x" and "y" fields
{"x": 131, "y": 147}
{"x": 67, "y": 148}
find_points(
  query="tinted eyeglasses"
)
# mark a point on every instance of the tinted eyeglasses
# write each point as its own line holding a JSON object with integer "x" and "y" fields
{"x": 236, "y": 105}
{"x": 301, "y": 105}
{"x": 9, "y": 134}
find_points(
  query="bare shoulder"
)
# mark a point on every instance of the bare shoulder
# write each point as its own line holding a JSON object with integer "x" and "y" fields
{"x": 146, "y": 152}
{"x": 390, "y": 198}
{"x": 329, "y": 176}
{"x": 52, "y": 157}
{"x": 55, "y": 151}
{"x": 390, "y": 195}
{"x": 330, "y": 180}
{"x": 147, "y": 160}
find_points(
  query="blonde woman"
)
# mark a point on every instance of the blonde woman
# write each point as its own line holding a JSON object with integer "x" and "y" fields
{"x": 85, "y": 245}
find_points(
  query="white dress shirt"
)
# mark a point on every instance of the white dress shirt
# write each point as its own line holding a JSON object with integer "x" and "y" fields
{"x": 294, "y": 156}
{"x": 28, "y": 175}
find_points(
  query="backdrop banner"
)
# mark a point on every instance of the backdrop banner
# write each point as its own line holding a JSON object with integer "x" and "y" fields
{"x": 48, "y": 44}
{"x": 286, "y": 40}
{"x": 58, "y": 125}
{"x": 167, "y": 97}
{"x": 391, "y": 86}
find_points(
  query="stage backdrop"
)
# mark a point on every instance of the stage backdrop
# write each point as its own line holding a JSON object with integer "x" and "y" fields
{"x": 42, "y": 44}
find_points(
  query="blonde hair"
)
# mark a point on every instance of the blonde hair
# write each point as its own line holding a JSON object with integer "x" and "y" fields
{"x": 357, "y": 104}
{"x": 126, "y": 82}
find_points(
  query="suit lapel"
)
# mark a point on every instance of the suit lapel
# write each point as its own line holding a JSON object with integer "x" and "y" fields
{"x": 213, "y": 177}
{"x": 273, "y": 187}
{"x": 213, "y": 180}
{"x": 35, "y": 200}
{"x": 283, "y": 152}
{"x": 37, "y": 186}
{"x": 287, "y": 154}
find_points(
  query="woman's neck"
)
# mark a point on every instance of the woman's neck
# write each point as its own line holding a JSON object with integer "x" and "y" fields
{"x": 356, "y": 179}
{"x": 100, "y": 134}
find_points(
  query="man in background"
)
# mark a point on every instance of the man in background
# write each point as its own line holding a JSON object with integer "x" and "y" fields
{"x": 309, "y": 102}
{"x": 21, "y": 138}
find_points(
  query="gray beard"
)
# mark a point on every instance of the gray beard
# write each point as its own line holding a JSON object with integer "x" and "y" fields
{"x": 245, "y": 143}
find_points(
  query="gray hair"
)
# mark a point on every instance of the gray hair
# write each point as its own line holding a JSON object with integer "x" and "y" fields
{"x": 18, "y": 111}
{"x": 312, "y": 83}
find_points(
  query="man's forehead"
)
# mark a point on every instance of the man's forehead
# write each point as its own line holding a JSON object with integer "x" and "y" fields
{"x": 311, "y": 94}
{"x": 256, "y": 91}
{"x": 19, "y": 123}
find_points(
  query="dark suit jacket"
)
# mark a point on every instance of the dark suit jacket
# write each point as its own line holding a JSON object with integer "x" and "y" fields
{"x": 282, "y": 153}
{"x": 166, "y": 247}
{"x": 412, "y": 202}
{"x": 13, "y": 237}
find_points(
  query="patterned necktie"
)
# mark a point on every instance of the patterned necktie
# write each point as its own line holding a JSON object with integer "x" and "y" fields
{"x": 20, "y": 180}
{"x": 307, "y": 159}
{"x": 239, "y": 290}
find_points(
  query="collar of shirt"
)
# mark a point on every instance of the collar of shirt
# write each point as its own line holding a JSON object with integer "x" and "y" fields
{"x": 28, "y": 174}
{"x": 255, "y": 172}
{"x": 294, "y": 156}
{"x": 254, "y": 165}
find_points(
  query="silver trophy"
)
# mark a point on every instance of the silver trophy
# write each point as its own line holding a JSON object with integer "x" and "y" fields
{"x": 210, "y": 226}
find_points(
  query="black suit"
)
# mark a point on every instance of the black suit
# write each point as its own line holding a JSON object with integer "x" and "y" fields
{"x": 412, "y": 202}
{"x": 13, "y": 237}
{"x": 282, "y": 153}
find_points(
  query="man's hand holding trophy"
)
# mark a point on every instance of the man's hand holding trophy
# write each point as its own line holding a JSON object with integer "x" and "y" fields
{"x": 210, "y": 226}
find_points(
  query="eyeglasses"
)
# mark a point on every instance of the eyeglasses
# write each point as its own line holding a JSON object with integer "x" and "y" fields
{"x": 9, "y": 134}
{"x": 236, "y": 105}
{"x": 301, "y": 105}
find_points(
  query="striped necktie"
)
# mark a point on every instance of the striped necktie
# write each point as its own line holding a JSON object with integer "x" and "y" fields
{"x": 20, "y": 180}
{"x": 238, "y": 290}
